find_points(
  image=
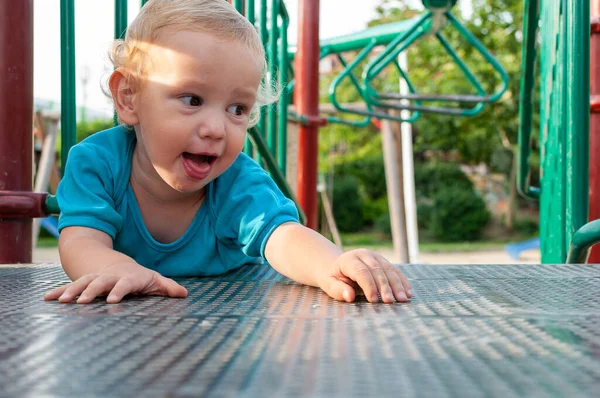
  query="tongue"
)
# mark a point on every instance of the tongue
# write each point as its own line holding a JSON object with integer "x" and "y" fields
{"x": 198, "y": 163}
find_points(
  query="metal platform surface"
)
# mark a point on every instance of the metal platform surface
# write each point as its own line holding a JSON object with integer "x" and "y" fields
{"x": 470, "y": 331}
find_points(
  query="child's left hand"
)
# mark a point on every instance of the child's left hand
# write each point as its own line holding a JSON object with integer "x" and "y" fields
{"x": 371, "y": 271}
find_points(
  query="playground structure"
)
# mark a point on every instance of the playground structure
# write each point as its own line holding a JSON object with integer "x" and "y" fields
{"x": 565, "y": 58}
{"x": 470, "y": 330}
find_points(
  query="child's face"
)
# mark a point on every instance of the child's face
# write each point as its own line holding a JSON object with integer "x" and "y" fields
{"x": 194, "y": 107}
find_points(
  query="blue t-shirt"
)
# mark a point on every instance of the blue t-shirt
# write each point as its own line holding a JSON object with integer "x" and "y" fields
{"x": 241, "y": 209}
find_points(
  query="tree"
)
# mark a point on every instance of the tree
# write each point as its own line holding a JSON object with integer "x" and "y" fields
{"x": 491, "y": 136}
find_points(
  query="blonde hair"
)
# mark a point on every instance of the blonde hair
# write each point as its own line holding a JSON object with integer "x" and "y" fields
{"x": 215, "y": 17}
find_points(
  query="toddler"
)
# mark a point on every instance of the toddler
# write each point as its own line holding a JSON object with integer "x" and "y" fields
{"x": 169, "y": 194}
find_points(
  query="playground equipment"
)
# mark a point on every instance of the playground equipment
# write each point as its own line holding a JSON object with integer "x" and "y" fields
{"x": 564, "y": 125}
{"x": 564, "y": 129}
{"x": 267, "y": 141}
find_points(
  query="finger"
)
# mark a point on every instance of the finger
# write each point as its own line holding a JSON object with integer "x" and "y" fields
{"x": 121, "y": 289}
{"x": 56, "y": 293}
{"x": 168, "y": 287}
{"x": 340, "y": 290}
{"x": 380, "y": 277}
{"x": 359, "y": 272}
{"x": 75, "y": 288}
{"x": 405, "y": 283}
{"x": 394, "y": 277}
{"x": 98, "y": 287}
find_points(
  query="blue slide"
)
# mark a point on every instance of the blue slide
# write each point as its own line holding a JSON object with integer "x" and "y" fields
{"x": 514, "y": 249}
{"x": 50, "y": 224}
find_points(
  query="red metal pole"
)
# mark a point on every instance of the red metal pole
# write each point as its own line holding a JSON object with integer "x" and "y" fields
{"x": 306, "y": 98}
{"x": 594, "y": 209}
{"x": 16, "y": 110}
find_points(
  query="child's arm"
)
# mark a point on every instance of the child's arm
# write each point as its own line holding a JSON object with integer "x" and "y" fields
{"x": 88, "y": 258}
{"x": 307, "y": 257}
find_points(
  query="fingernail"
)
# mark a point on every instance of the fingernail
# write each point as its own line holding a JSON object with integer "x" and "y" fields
{"x": 346, "y": 295}
{"x": 389, "y": 297}
{"x": 65, "y": 296}
{"x": 111, "y": 298}
{"x": 374, "y": 298}
{"x": 409, "y": 291}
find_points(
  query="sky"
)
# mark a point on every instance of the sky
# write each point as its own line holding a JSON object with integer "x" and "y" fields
{"x": 94, "y": 29}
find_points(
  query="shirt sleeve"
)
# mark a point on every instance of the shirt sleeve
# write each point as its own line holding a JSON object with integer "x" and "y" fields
{"x": 85, "y": 194}
{"x": 252, "y": 209}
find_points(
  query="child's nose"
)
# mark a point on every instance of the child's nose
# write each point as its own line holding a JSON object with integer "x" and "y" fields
{"x": 212, "y": 127}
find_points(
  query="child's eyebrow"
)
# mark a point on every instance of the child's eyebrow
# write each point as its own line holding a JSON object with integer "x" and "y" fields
{"x": 245, "y": 92}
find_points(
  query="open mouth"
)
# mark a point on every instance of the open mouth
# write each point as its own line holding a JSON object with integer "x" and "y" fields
{"x": 200, "y": 158}
{"x": 198, "y": 166}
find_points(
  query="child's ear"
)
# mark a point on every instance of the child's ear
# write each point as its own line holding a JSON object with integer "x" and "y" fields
{"x": 123, "y": 92}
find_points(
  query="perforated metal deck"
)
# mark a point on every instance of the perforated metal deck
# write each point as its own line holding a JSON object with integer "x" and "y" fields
{"x": 470, "y": 331}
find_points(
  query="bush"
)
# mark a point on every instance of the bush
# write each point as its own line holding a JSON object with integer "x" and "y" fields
{"x": 431, "y": 177}
{"x": 526, "y": 227}
{"x": 373, "y": 209}
{"x": 424, "y": 214}
{"x": 458, "y": 215}
{"x": 347, "y": 204}
{"x": 383, "y": 225}
{"x": 371, "y": 174}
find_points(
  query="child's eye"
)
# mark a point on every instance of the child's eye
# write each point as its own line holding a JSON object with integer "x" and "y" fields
{"x": 192, "y": 100}
{"x": 237, "y": 110}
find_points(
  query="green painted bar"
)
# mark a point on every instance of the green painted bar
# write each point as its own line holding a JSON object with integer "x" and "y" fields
{"x": 283, "y": 100}
{"x": 382, "y": 34}
{"x": 577, "y": 80}
{"x": 553, "y": 134}
{"x": 273, "y": 169}
{"x": 526, "y": 108}
{"x": 239, "y": 5}
{"x": 248, "y": 148}
{"x": 262, "y": 124}
{"x": 583, "y": 240}
{"x": 120, "y": 18}
{"x": 250, "y": 11}
{"x": 272, "y": 57}
{"x": 67, "y": 100}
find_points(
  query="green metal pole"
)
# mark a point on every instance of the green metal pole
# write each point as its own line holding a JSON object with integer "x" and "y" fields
{"x": 120, "y": 18}
{"x": 120, "y": 29}
{"x": 528, "y": 56}
{"x": 248, "y": 148}
{"x": 250, "y": 11}
{"x": 272, "y": 126}
{"x": 578, "y": 105}
{"x": 144, "y": 2}
{"x": 283, "y": 100}
{"x": 67, "y": 100}
{"x": 239, "y": 5}
{"x": 582, "y": 242}
{"x": 262, "y": 124}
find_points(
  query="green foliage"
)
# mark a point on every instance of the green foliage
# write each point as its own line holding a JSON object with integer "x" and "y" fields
{"x": 497, "y": 24}
{"x": 347, "y": 204}
{"x": 431, "y": 177}
{"x": 86, "y": 128}
{"x": 458, "y": 215}
{"x": 370, "y": 173}
{"x": 489, "y": 137}
{"x": 383, "y": 225}
{"x": 526, "y": 227}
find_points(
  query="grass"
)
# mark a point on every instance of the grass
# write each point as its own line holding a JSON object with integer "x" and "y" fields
{"x": 47, "y": 242}
{"x": 371, "y": 240}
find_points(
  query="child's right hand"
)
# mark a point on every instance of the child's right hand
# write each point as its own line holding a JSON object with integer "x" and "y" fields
{"x": 117, "y": 281}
